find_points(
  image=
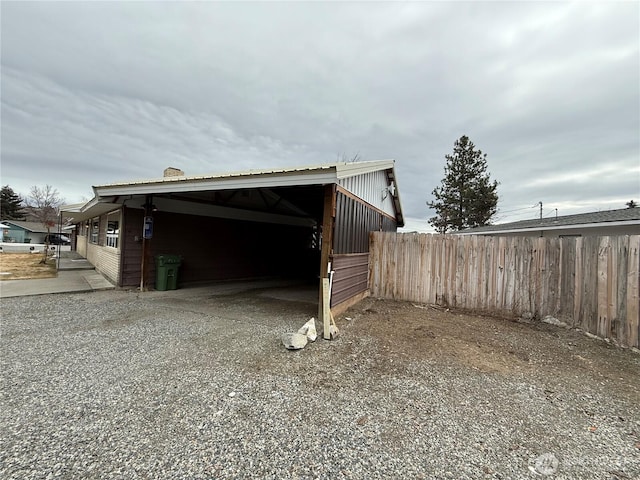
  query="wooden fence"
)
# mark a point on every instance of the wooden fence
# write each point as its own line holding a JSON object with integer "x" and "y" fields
{"x": 588, "y": 282}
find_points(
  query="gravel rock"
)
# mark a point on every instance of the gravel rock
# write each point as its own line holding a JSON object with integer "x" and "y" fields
{"x": 115, "y": 385}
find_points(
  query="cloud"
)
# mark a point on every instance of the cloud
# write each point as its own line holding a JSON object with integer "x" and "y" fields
{"x": 98, "y": 92}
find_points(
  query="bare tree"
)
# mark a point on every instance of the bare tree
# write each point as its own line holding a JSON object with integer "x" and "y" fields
{"x": 346, "y": 159}
{"x": 43, "y": 204}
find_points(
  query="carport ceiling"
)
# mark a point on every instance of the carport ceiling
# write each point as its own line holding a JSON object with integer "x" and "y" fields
{"x": 297, "y": 201}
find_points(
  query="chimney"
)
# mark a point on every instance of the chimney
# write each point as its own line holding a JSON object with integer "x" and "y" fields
{"x": 173, "y": 172}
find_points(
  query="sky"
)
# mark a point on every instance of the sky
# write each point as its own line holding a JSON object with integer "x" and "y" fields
{"x": 93, "y": 93}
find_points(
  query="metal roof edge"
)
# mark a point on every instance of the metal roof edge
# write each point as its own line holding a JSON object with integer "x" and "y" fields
{"x": 271, "y": 172}
{"x": 575, "y": 226}
{"x": 342, "y": 170}
{"x": 351, "y": 169}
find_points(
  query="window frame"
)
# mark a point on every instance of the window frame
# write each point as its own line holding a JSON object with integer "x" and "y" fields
{"x": 94, "y": 233}
{"x": 113, "y": 240}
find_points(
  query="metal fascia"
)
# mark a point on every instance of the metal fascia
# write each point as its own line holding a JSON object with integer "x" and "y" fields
{"x": 260, "y": 181}
{"x": 346, "y": 170}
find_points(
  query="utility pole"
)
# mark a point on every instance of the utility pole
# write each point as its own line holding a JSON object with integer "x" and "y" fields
{"x": 540, "y": 203}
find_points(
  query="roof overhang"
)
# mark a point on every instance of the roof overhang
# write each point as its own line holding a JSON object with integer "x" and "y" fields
{"x": 579, "y": 226}
{"x": 112, "y": 196}
{"x": 93, "y": 208}
{"x": 391, "y": 177}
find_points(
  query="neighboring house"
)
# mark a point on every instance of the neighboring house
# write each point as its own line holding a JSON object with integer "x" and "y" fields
{"x": 4, "y": 231}
{"x": 609, "y": 222}
{"x": 295, "y": 222}
{"x": 24, "y": 232}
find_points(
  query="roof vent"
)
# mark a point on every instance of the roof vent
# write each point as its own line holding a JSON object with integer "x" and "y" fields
{"x": 173, "y": 172}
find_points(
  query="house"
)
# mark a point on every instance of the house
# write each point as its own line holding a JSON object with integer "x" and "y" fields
{"x": 624, "y": 221}
{"x": 23, "y": 232}
{"x": 301, "y": 222}
{"x": 4, "y": 231}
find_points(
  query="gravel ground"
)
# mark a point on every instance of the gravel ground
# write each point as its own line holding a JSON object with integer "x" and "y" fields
{"x": 187, "y": 384}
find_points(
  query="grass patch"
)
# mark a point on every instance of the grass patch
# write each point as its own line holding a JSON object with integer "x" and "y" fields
{"x": 23, "y": 266}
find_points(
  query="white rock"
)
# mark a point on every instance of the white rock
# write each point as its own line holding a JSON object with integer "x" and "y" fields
{"x": 554, "y": 321}
{"x": 294, "y": 341}
{"x": 309, "y": 329}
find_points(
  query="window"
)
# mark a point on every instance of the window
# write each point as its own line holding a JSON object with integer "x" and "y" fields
{"x": 113, "y": 229}
{"x": 95, "y": 230}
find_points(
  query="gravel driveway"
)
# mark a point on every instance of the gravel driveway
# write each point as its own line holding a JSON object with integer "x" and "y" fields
{"x": 186, "y": 384}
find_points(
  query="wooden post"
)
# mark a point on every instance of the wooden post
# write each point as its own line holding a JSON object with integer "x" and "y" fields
{"x": 146, "y": 261}
{"x": 327, "y": 249}
{"x": 326, "y": 309}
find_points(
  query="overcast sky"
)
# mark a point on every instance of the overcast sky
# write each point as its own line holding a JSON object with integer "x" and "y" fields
{"x": 100, "y": 92}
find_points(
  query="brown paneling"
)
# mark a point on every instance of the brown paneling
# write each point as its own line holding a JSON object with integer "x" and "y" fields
{"x": 354, "y": 221}
{"x": 351, "y": 276}
{"x": 214, "y": 249}
{"x": 131, "y": 248}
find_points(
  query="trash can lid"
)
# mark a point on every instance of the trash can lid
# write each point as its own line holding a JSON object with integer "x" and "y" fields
{"x": 165, "y": 258}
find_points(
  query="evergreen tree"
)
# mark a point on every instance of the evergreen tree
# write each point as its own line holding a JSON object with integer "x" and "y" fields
{"x": 10, "y": 204}
{"x": 631, "y": 204}
{"x": 467, "y": 197}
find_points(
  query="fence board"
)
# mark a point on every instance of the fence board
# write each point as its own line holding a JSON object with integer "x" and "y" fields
{"x": 633, "y": 287}
{"x": 567, "y": 281}
{"x": 590, "y": 282}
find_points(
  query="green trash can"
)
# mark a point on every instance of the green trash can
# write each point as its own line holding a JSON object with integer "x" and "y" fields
{"x": 167, "y": 271}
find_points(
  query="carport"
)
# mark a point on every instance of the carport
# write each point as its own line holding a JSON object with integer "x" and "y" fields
{"x": 299, "y": 223}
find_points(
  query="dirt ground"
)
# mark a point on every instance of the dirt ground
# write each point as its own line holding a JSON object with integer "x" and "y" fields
{"x": 409, "y": 331}
{"x": 23, "y": 266}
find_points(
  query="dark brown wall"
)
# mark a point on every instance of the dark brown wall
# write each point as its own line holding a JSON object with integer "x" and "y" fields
{"x": 131, "y": 249}
{"x": 216, "y": 249}
{"x": 351, "y": 276}
{"x": 354, "y": 221}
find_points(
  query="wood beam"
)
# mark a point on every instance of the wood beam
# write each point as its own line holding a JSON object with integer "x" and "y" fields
{"x": 328, "y": 218}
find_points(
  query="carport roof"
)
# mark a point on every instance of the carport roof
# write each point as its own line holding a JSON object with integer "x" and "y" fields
{"x": 304, "y": 175}
{"x": 107, "y": 195}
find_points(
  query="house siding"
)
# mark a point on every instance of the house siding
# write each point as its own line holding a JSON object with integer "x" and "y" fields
{"x": 106, "y": 260}
{"x": 81, "y": 245}
{"x": 371, "y": 187}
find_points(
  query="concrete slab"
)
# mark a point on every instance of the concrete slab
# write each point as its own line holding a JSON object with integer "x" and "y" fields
{"x": 74, "y": 264}
{"x": 97, "y": 281}
{"x": 67, "y": 281}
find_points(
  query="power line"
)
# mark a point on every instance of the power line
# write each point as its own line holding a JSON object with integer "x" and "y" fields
{"x": 517, "y": 209}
